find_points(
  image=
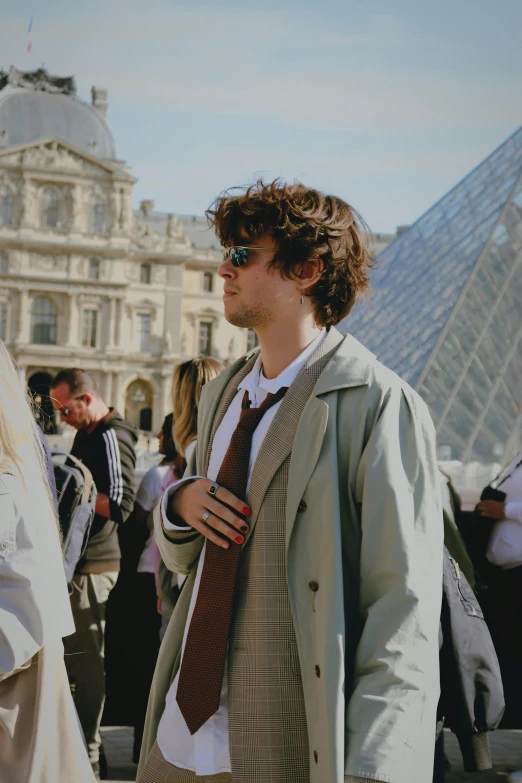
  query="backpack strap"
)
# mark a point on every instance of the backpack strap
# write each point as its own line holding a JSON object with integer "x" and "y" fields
{"x": 87, "y": 475}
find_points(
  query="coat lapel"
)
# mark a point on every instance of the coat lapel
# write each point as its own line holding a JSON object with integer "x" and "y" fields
{"x": 226, "y": 398}
{"x": 279, "y": 439}
{"x": 211, "y": 396}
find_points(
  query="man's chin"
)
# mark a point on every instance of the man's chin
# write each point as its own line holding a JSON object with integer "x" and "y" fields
{"x": 237, "y": 317}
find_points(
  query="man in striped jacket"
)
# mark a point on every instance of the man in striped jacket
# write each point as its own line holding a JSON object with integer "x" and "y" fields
{"x": 105, "y": 443}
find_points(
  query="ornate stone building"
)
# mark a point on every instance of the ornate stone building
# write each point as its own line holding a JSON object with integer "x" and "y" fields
{"x": 84, "y": 279}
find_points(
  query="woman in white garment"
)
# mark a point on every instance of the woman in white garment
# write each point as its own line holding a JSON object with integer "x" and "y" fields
{"x": 40, "y": 737}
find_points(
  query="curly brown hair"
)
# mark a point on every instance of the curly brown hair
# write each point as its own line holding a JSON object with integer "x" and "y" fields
{"x": 303, "y": 223}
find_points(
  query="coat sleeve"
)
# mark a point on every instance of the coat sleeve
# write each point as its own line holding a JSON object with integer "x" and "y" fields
{"x": 121, "y": 462}
{"x": 21, "y": 618}
{"x": 390, "y": 720}
{"x": 179, "y": 548}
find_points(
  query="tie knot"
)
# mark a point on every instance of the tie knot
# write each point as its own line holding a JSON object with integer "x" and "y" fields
{"x": 250, "y": 417}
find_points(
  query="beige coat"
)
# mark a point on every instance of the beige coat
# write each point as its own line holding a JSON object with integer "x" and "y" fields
{"x": 40, "y": 737}
{"x": 363, "y": 522}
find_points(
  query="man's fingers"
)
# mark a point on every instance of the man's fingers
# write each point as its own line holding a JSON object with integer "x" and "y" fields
{"x": 226, "y": 497}
{"x": 216, "y": 523}
{"x": 225, "y": 513}
{"x": 209, "y": 533}
{"x": 212, "y": 526}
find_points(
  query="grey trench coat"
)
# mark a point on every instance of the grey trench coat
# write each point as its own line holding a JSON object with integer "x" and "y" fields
{"x": 364, "y": 522}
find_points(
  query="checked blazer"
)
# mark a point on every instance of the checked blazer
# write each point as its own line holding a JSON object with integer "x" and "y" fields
{"x": 267, "y": 719}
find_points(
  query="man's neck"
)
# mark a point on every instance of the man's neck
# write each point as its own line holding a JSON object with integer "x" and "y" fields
{"x": 100, "y": 411}
{"x": 281, "y": 344}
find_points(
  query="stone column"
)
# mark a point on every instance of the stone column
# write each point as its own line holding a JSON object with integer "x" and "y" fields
{"x": 72, "y": 325}
{"x": 108, "y": 388}
{"x": 117, "y": 325}
{"x": 116, "y": 392}
{"x": 165, "y": 397}
{"x": 24, "y": 318}
{"x": 112, "y": 323}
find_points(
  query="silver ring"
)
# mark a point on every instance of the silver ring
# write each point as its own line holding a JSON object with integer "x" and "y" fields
{"x": 212, "y": 490}
{"x": 205, "y": 516}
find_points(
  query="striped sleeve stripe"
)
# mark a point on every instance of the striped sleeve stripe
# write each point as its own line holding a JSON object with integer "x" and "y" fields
{"x": 113, "y": 459}
{"x": 118, "y": 475}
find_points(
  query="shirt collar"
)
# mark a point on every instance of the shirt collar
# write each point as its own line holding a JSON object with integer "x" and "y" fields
{"x": 255, "y": 378}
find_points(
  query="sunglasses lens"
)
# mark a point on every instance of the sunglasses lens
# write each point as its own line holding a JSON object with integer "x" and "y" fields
{"x": 239, "y": 256}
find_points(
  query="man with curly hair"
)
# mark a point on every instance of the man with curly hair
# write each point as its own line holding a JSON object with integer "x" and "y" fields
{"x": 304, "y": 646}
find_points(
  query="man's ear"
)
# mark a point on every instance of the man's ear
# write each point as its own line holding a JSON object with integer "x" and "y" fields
{"x": 309, "y": 272}
{"x": 87, "y": 398}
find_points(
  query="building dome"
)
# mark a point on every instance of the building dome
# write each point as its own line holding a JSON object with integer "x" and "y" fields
{"x": 35, "y": 105}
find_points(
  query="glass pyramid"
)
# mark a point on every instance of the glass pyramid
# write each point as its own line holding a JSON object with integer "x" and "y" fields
{"x": 445, "y": 312}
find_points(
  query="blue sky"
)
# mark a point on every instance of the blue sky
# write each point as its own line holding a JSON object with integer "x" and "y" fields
{"x": 386, "y": 104}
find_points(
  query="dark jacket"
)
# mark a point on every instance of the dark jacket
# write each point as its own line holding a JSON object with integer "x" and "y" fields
{"x": 109, "y": 453}
{"x": 472, "y": 697}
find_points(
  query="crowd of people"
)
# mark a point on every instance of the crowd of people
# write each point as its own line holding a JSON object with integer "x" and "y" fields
{"x": 293, "y": 594}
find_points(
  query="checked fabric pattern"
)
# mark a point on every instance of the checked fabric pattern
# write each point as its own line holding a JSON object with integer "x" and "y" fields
{"x": 203, "y": 663}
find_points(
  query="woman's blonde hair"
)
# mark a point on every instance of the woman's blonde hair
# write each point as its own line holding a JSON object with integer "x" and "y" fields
{"x": 187, "y": 382}
{"x": 21, "y": 452}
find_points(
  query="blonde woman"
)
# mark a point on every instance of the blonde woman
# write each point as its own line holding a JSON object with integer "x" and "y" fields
{"x": 187, "y": 382}
{"x": 40, "y": 737}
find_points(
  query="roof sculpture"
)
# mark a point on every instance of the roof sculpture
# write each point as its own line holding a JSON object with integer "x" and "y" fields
{"x": 37, "y": 105}
{"x": 446, "y": 309}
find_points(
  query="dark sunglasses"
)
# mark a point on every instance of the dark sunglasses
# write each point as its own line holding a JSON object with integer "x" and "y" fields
{"x": 66, "y": 411}
{"x": 239, "y": 254}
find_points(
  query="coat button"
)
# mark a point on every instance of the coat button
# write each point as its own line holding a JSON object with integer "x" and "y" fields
{"x": 302, "y": 506}
{"x": 315, "y": 756}
{"x": 317, "y": 671}
{"x": 314, "y": 587}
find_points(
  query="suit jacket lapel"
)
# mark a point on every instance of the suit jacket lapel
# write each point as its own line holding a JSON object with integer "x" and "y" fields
{"x": 279, "y": 439}
{"x": 227, "y": 396}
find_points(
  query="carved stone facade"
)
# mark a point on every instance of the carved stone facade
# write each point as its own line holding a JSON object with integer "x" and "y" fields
{"x": 85, "y": 280}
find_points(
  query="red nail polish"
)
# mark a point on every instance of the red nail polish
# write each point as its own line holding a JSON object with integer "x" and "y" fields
{"x": 246, "y": 510}
{"x": 238, "y": 539}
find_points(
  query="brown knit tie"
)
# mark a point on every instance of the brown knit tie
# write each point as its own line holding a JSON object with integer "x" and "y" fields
{"x": 203, "y": 664}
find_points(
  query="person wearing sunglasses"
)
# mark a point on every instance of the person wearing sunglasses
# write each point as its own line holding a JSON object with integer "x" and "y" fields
{"x": 105, "y": 442}
{"x": 304, "y": 645}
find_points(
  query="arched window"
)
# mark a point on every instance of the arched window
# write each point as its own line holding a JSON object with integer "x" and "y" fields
{"x": 96, "y": 218}
{"x": 145, "y": 274}
{"x": 50, "y": 208}
{"x": 94, "y": 269}
{"x": 43, "y": 321}
{"x": 6, "y": 205}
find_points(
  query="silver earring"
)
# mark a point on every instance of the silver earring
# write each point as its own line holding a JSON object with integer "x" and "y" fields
{"x": 301, "y": 301}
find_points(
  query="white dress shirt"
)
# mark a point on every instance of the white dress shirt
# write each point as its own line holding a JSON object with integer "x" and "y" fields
{"x": 207, "y": 751}
{"x": 505, "y": 543}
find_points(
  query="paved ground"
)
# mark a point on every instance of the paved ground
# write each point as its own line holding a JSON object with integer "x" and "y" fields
{"x": 506, "y": 750}
{"x": 117, "y": 742}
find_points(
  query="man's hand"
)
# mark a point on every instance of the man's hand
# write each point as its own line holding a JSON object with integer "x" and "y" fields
{"x": 494, "y": 509}
{"x": 192, "y": 500}
{"x": 103, "y": 506}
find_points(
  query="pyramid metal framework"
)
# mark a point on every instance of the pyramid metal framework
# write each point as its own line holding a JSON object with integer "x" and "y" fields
{"x": 446, "y": 310}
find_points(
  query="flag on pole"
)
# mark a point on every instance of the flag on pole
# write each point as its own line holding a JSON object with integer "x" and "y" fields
{"x": 29, "y": 28}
